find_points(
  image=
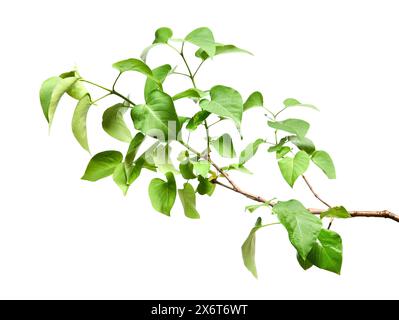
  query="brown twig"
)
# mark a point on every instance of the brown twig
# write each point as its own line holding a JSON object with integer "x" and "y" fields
{"x": 314, "y": 192}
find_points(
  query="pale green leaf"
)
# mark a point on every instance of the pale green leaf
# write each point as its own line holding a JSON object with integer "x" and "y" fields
{"x": 290, "y": 102}
{"x": 133, "y": 65}
{"x": 280, "y": 153}
{"x": 292, "y": 168}
{"x": 79, "y": 119}
{"x": 224, "y": 146}
{"x": 201, "y": 168}
{"x": 248, "y": 249}
{"x": 302, "y": 226}
{"x": 133, "y": 170}
{"x": 134, "y": 147}
{"x": 189, "y": 93}
{"x": 162, "y": 160}
{"x": 120, "y": 178}
{"x": 159, "y": 74}
{"x": 303, "y": 143}
{"x": 163, "y": 193}
{"x": 253, "y": 207}
{"x": 336, "y": 212}
{"x": 250, "y": 150}
{"x": 102, "y": 165}
{"x": 187, "y": 198}
{"x": 323, "y": 160}
{"x": 296, "y": 126}
{"x": 203, "y": 38}
{"x": 114, "y": 124}
{"x": 221, "y": 49}
{"x": 254, "y": 100}
{"x": 162, "y": 35}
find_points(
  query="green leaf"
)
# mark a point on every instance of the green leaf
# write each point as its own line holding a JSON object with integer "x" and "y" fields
{"x": 326, "y": 253}
{"x": 77, "y": 90}
{"x": 145, "y": 52}
{"x": 51, "y": 92}
{"x": 224, "y": 146}
{"x": 102, "y": 165}
{"x": 134, "y": 147}
{"x": 323, "y": 160}
{"x": 296, "y": 126}
{"x": 201, "y": 168}
{"x": 114, "y": 124}
{"x": 186, "y": 169}
{"x": 147, "y": 157}
{"x": 281, "y": 152}
{"x": 225, "y": 102}
{"x": 221, "y": 49}
{"x": 305, "y": 264}
{"x": 163, "y": 193}
{"x": 290, "y": 102}
{"x": 189, "y": 93}
{"x": 162, "y": 35}
{"x": 155, "y": 83}
{"x": 248, "y": 249}
{"x": 292, "y": 168}
{"x": 302, "y": 226}
{"x": 155, "y": 117}
{"x": 203, "y": 38}
{"x": 133, "y": 65}
{"x": 197, "y": 119}
{"x": 253, "y": 207}
{"x": 161, "y": 159}
{"x": 250, "y": 150}
{"x": 303, "y": 143}
{"x": 238, "y": 167}
{"x": 187, "y": 198}
{"x": 278, "y": 146}
{"x": 254, "y": 100}
{"x": 133, "y": 170}
{"x": 79, "y": 118}
{"x": 336, "y": 212}
{"x": 205, "y": 187}
{"x": 120, "y": 178}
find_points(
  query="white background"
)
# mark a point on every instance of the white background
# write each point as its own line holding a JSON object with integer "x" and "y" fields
{"x": 61, "y": 237}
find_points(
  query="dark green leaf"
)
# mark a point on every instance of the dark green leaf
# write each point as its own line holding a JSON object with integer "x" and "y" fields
{"x": 323, "y": 160}
{"x": 254, "y": 100}
{"x": 250, "y": 150}
{"x": 163, "y": 193}
{"x": 278, "y": 146}
{"x": 134, "y": 147}
{"x": 114, "y": 123}
{"x": 224, "y": 146}
{"x": 336, "y": 212}
{"x": 197, "y": 119}
{"x": 133, "y": 170}
{"x": 296, "y": 126}
{"x": 305, "y": 264}
{"x": 280, "y": 153}
{"x": 205, "y": 186}
{"x": 292, "y": 168}
{"x": 302, "y": 226}
{"x": 189, "y": 93}
{"x": 187, "y": 198}
{"x": 79, "y": 127}
{"x": 102, "y": 165}
{"x": 203, "y": 38}
{"x": 303, "y": 143}
{"x": 186, "y": 169}
{"x": 157, "y": 117}
{"x": 155, "y": 83}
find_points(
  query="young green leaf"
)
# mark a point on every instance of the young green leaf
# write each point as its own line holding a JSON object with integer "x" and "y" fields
{"x": 278, "y": 146}
{"x": 292, "y": 168}
{"x": 162, "y": 35}
{"x": 79, "y": 127}
{"x": 203, "y": 38}
{"x": 224, "y": 146}
{"x": 221, "y": 49}
{"x": 253, "y": 207}
{"x": 133, "y": 170}
{"x": 250, "y": 150}
{"x": 290, "y": 102}
{"x": 114, "y": 124}
{"x": 238, "y": 167}
{"x": 163, "y": 193}
{"x": 102, "y": 165}
{"x": 254, "y": 100}
{"x": 248, "y": 249}
{"x": 77, "y": 90}
{"x": 205, "y": 187}
{"x": 336, "y": 212}
{"x": 157, "y": 117}
{"x": 323, "y": 160}
{"x": 225, "y": 102}
{"x": 302, "y": 226}
{"x": 133, "y": 65}
{"x": 134, "y": 147}
{"x": 120, "y": 178}
{"x": 296, "y": 126}
{"x": 326, "y": 253}
{"x": 159, "y": 74}
{"x": 187, "y": 198}
{"x": 281, "y": 152}
{"x": 187, "y": 170}
{"x": 46, "y": 92}
{"x": 201, "y": 168}
{"x": 189, "y": 93}
{"x": 197, "y": 119}
{"x": 303, "y": 143}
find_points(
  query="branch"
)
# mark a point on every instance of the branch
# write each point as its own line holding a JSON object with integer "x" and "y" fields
{"x": 314, "y": 192}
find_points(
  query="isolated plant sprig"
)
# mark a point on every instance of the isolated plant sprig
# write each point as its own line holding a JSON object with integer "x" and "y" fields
{"x": 156, "y": 119}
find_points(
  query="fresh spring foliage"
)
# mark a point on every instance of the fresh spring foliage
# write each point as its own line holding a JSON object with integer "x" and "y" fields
{"x": 156, "y": 120}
